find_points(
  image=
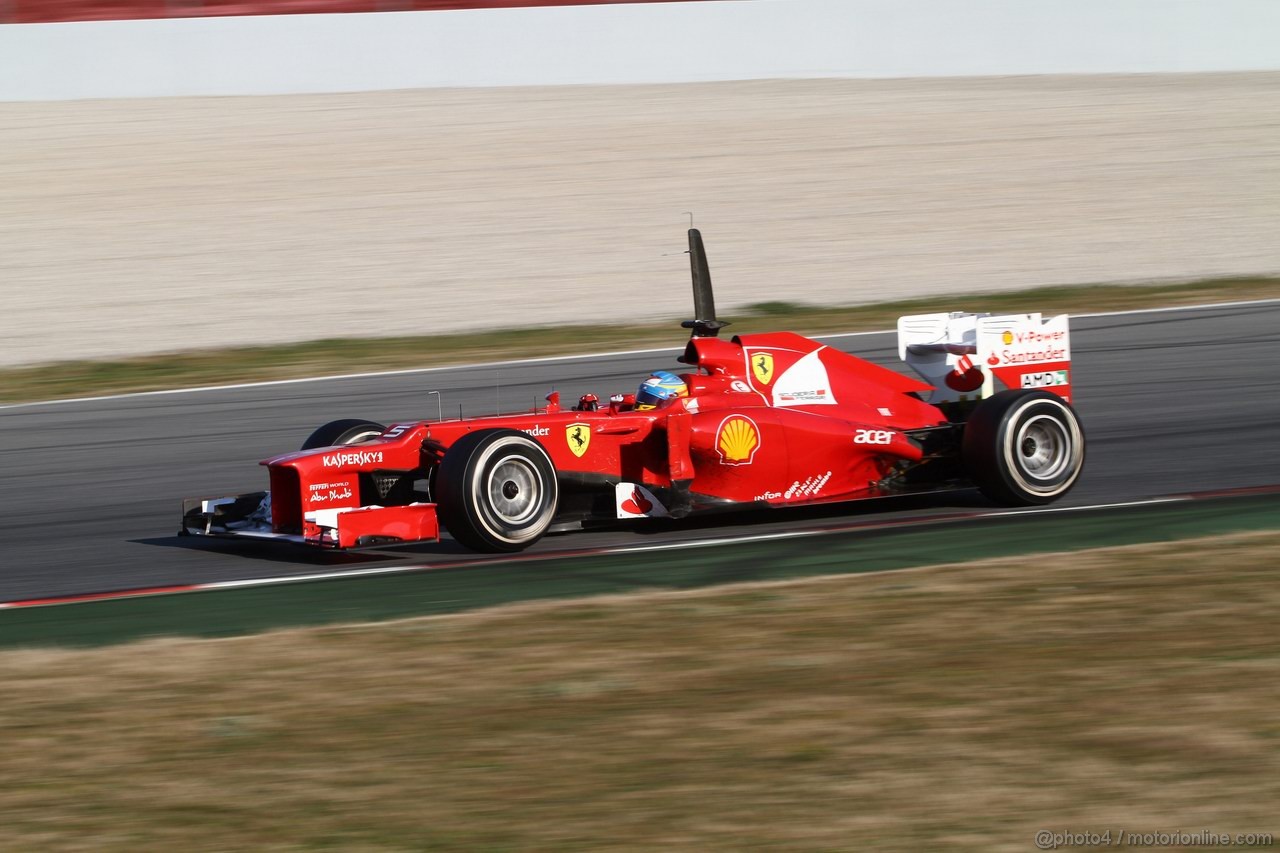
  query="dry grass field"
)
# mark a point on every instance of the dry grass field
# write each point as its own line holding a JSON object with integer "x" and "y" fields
{"x": 142, "y": 226}
{"x": 957, "y": 707}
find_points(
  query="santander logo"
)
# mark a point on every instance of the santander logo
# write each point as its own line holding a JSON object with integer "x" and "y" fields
{"x": 966, "y": 376}
{"x": 637, "y": 504}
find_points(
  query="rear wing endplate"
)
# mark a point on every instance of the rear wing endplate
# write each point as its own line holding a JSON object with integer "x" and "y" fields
{"x": 971, "y": 356}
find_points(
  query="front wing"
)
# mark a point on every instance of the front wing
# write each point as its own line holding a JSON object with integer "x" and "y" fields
{"x": 248, "y": 516}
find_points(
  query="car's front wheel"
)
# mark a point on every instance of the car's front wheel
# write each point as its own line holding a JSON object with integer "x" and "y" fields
{"x": 1023, "y": 448}
{"x": 343, "y": 432}
{"x": 497, "y": 490}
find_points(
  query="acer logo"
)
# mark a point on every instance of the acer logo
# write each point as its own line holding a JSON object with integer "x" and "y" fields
{"x": 873, "y": 436}
{"x": 362, "y": 457}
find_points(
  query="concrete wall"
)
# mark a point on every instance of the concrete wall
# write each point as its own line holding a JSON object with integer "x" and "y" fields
{"x": 640, "y": 43}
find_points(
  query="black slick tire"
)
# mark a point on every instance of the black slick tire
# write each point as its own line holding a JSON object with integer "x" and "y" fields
{"x": 1023, "y": 447}
{"x": 496, "y": 490}
{"x": 343, "y": 432}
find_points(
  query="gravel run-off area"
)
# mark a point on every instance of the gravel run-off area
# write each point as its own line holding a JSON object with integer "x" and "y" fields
{"x": 142, "y": 226}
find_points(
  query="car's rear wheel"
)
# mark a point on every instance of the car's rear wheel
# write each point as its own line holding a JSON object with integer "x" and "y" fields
{"x": 1023, "y": 448}
{"x": 343, "y": 432}
{"x": 496, "y": 490}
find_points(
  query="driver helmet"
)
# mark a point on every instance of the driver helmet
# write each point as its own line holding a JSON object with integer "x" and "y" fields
{"x": 660, "y": 389}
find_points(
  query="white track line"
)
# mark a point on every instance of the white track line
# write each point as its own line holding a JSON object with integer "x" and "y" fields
{"x": 336, "y": 377}
{"x": 796, "y": 534}
{"x": 1241, "y": 304}
{"x": 349, "y": 574}
{"x": 319, "y": 576}
{"x": 1043, "y": 509}
{"x": 545, "y": 360}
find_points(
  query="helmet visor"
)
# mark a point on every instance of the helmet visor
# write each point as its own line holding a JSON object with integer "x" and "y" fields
{"x": 649, "y": 397}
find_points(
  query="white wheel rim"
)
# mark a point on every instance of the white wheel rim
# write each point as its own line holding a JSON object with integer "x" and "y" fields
{"x": 1043, "y": 448}
{"x": 514, "y": 489}
{"x": 519, "y": 513}
{"x": 1052, "y": 461}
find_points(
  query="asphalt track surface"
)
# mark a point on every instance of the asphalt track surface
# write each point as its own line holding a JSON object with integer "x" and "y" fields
{"x": 1173, "y": 402}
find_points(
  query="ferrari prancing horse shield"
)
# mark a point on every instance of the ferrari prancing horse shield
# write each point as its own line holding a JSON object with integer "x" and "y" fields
{"x": 762, "y": 367}
{"x": 579, "y": 437}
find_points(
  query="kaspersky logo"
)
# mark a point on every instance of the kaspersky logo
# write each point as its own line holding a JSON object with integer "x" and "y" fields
{"x": 342, "y": 460}
{"x": 737, "y": 440}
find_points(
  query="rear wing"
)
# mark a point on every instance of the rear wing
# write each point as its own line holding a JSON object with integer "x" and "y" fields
{"x": 971, "y": 356}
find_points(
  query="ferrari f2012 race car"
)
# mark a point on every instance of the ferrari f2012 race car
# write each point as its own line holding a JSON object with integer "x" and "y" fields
{"x": 760, "y": 420}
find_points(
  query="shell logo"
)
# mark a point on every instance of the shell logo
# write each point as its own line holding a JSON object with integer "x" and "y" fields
{"x": 1007, "y": 337}
{"x": 737, "y": 440}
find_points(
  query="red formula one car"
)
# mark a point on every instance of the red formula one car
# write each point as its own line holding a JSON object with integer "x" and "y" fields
{"x": 759, "y": 420}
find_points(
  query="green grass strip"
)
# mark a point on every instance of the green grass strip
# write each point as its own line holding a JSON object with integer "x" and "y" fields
{"x": 356, "y": 355}
{"x": 241, "y": 611}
